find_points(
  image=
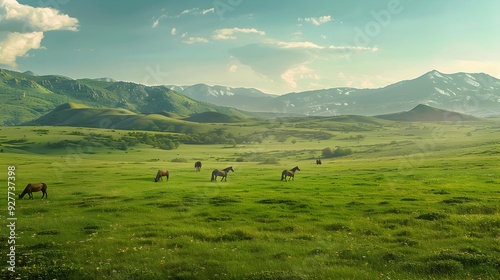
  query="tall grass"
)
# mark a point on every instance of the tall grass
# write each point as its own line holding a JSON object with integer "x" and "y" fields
{"x": 399, "y": 211}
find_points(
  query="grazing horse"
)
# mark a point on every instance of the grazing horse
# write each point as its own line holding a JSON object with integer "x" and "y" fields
{"x": 197, "y": 165}
{"x": 160, "y": 174}
{"x": 318, "y": 161}
{"x": 290, "y": 173}
{"x": 222, "y": 173}
{"x": 34, "y": 187}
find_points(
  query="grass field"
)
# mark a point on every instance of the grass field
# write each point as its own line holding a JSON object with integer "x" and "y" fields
{"x": 413, "y": 201}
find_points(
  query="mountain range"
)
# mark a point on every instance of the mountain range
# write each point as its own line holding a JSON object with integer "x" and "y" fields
{"x": 26, "y": 96}
{"x": 477, "y": 94}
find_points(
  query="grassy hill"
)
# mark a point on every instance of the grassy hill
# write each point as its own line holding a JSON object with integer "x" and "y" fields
{"x": 24, "y": 97}
{"x": 424, "y": 113}
{"x": 77, "y": 115}
{"x": 213, "y": 117}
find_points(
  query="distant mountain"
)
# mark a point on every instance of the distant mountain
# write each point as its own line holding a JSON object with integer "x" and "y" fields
{"x": 424, "y": 113}
{"x": 247, "y": 99}
{"x": 476, "y": 94}
{"x": 25, "y": 96}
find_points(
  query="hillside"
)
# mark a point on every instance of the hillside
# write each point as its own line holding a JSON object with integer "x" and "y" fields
{"x": 213, "y": 117}
{"x": 82, "y": 116}
{"x": 424, "y": 113}
{"x": 26, "y": 96}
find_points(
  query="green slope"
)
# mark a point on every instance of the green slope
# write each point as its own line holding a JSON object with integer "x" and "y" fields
{"x": 25, "y": 97}
{"x": 78, "y": 115}
{"x": 424, "y": 113}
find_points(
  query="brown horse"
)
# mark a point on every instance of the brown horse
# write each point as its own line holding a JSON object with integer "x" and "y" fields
{"x": 318, "y": 161}
{"x": 290, "y": 173}
{"x": 160, "y": 174}
{"x": 222, "y": 173}
{"x": 34, "y": 187}
{"x": 197, "y": 165}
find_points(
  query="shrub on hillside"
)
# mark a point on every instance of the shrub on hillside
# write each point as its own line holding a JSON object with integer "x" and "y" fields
{"x": 338, "y": 152}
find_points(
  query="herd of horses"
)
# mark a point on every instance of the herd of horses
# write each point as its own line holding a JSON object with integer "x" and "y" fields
{"x": 290, "y": 174}
{"x": 224, "y": 172}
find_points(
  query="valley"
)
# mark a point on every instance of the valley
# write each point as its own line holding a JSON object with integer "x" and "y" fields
{"x": 413, "y": 200}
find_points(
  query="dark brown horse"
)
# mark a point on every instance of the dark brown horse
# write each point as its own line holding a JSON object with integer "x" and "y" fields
{"x": 222, "y": 173}
{"x": 290, "y": 173}
{"x": 197, "y": 165}
{"x": 34, "y": 187}
{"x": 160, "y": 174}
{"x": 318, "y": 161}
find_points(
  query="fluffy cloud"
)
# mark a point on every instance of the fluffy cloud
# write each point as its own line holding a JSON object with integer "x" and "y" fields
{"x": 22, "y": 28}
{"x": 228, "y": 33}
{"x": 13, "y": 45}
{"x": 21, "y": 18}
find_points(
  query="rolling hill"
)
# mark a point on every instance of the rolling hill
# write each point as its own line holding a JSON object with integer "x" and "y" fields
{"x": 424, "y": 113}
{"x": 71, "y": 114}
{"x": 26, "y": 96}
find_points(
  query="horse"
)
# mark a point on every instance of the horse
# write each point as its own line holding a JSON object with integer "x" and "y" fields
{"x": 160, "y": 174}
{"x": 318, "y": 161}
{"x": 197, "y": 165}
{"x": 34, "y": 187}
{"x": 290, "y": 173}
{"x": 222, "y": 173}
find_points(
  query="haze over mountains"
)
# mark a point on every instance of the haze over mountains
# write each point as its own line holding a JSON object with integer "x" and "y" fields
{"x": 26, "y": 96}
{"x": 476, "y": 94}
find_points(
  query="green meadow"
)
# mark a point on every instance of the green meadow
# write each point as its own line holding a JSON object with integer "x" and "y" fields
{"x": 412, "y": 201}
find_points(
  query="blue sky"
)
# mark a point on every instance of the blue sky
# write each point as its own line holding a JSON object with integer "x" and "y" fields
{"x": 275, "y": 46}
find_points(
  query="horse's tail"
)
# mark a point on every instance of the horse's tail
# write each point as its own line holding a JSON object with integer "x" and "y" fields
{"x": 283, "y": 175}
{"x": 214, "y": 175}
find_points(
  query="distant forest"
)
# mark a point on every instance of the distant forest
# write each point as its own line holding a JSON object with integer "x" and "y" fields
{"x": 172, "y": 141}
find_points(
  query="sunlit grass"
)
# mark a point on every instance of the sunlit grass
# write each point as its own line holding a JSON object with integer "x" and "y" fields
{"x": 399, "y": 211}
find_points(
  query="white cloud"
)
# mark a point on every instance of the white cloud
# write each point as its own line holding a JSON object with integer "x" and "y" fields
{"x": 197, "y": 11}
{"x": 22, "y": 28}
{"x": 14, "y": 45}
{"x": 193, "y": 12}
{"x": 157, "y": 21}
{"x": 195, "y": 40}
{"x": 173, "y": 31}
{"x": 300, "y": 72}
{"x": 318, "y": 21}
{"x": 211, "y": 10}
{"x": 228, "y": 33}
{"x": 21, "y": 18}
